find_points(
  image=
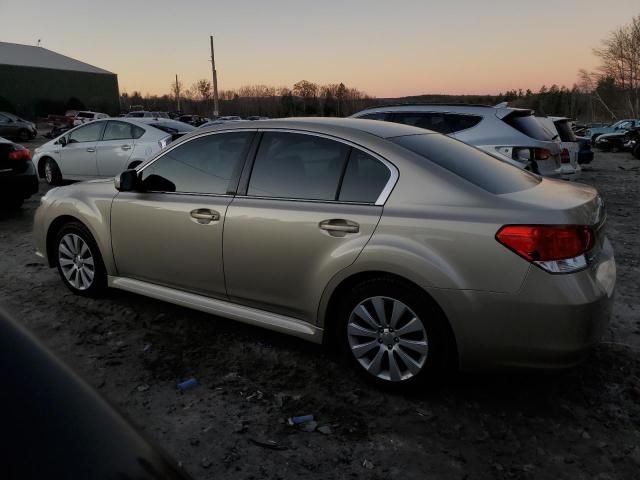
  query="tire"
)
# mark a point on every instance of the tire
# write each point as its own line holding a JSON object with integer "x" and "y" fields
{"x": 52, "y": 173}
{"x": 134, "y": 164}
{"x": 79, "y": 261}
{"x": 415, "y": 341}
{"x": 24, "y": 135}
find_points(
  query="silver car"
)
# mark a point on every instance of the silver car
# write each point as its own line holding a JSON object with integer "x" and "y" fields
{"x": 511, "y": 134}
{"x": 409, "y": 249}
{"x": 104, "y": 148}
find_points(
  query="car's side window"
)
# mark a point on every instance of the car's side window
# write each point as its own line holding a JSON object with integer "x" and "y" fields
{"x": 457, "y": 122}
{"x": 375, "y": 116}
{"x": 4, "y": 119}
{"x": 364, "y": 178}
{"x": 203, "y": 165}
{"x": 88, "y": 133}
{"x": 118, "y": 131}
{"x": 297, "y": 166}
{"x": 445, "y": 123}
{"x": 430, "y": 120}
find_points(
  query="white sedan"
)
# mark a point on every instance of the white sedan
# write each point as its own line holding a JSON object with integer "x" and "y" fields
{"x": 104, "y": 148}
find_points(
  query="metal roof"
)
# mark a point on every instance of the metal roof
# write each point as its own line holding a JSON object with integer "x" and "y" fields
{"x": 30, "y": 56}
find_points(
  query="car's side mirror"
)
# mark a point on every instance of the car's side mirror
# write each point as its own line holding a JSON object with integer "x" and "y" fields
{"x": 62, "y": 141}
{"x": 127, "y": 181}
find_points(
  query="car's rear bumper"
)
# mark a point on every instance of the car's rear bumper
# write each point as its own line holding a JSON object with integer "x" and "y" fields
{"x": 20, "y": 182}
{"x": 551, "y": 322}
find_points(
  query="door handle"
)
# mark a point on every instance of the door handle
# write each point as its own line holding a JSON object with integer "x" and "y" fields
{"x": 126, "y": 147}
{"x": 204, "y": 215}
{"x": 339, "y": 227}
{"x": 91, "y": 150}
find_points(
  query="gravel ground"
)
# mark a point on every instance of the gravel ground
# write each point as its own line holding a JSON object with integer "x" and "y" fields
{"x": 578, "y": 424}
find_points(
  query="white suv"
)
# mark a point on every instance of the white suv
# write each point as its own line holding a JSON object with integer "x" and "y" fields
{"x": 510, "y": 134}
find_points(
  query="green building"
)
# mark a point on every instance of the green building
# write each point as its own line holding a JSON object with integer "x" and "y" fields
{"x": 35, "y": 82}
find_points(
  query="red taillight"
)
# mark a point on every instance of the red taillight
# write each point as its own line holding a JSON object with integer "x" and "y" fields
{"x": 541, "y": 154}
{"x": 20, "y": 153}
{"x": 565, "y": 156}
{"x": 547, "y": 242}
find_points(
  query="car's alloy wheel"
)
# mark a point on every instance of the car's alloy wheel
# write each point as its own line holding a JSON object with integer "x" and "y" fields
{"x": 387, "y": 339}
{"x": 76, "y": 261}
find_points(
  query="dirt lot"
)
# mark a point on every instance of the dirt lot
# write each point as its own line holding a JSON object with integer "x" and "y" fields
{"x": 578, "y": 424}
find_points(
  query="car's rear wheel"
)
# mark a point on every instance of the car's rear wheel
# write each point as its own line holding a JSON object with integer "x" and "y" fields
{"x": 392, "y": 332}
{"x": 52, "y": 173}
{"x": 79, "y": 261}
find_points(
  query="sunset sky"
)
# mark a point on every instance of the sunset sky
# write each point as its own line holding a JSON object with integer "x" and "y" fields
{"x": 384, "y": 48}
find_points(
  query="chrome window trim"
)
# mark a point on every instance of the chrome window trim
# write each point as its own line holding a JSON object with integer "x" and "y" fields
{"x": 162, "y": 153}
{"x": 384, "y": 193}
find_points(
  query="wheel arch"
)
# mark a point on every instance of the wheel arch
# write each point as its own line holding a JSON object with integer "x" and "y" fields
{"x": 331, "y": 300}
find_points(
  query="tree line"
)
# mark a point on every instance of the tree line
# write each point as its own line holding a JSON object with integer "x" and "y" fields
{"x": 609, "y": 93}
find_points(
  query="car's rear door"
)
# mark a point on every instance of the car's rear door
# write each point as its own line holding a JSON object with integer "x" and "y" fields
{"x": 78, "y": 156}
{"x": 307, "y": 210}
{"x": 169, "y": 231}
{"x": 114, "y": 149}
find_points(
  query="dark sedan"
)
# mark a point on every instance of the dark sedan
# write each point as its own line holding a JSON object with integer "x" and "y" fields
{"x": 16, "y": 128}
{"x": 18, "y": 178}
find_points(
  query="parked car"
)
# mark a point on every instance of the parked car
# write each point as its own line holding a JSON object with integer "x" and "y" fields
{"x": 57, "y": 130}
{"x": 145, "y": 114}
{"x": 634, "y": 141}
{"x": 615, "y": 142}
{"x": 83, "y": 116}
{"x": 18, "y": 179}
{"x": 511, "y": 134}
{"x": 102, "y": 148}
{"x": 585, "y": 154}
{"x": 220, "y": 121}
{"x": 560, "y": 130}
{"x": 408, "y": 248}
{"x": 194, "y": 120}
{"x": 55, "y": 423}
{"x": 175, "y": 128}
{"x": 622, "y": 125}
{"x": 16, "y": 128}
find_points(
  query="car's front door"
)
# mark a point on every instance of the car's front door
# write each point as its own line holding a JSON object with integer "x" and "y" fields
{"x": 306, "y": 212}
{"x": 169, "y": 231}
{"x": 78, "y": 156}
{"x": 115, "y": 148}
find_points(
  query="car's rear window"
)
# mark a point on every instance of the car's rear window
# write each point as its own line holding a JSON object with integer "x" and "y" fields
{"x": 528, "y": 125}
{"x": 469, "y": 163}
{"x": 564, "y": 130}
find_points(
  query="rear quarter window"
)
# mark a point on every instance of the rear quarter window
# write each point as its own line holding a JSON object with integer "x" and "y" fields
{"x": 469, "y": 163}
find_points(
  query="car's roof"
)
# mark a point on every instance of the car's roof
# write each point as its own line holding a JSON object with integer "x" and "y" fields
{"x": 500, "y": 111}
{"x": 329, "y": 126}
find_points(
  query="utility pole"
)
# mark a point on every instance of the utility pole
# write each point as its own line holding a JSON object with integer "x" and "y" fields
{"x": 178, "y": 93}
{"x": 215, "y": 80}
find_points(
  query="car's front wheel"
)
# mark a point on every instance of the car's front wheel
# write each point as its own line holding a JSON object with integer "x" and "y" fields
{"x": 79, "y": 261}
{"x": 52, "y": 173}
{"x": 392, "y": 333}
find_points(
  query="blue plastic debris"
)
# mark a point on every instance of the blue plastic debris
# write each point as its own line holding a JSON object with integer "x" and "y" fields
{"x": 299, "y": 420}
{"x": 187, "y": 384}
